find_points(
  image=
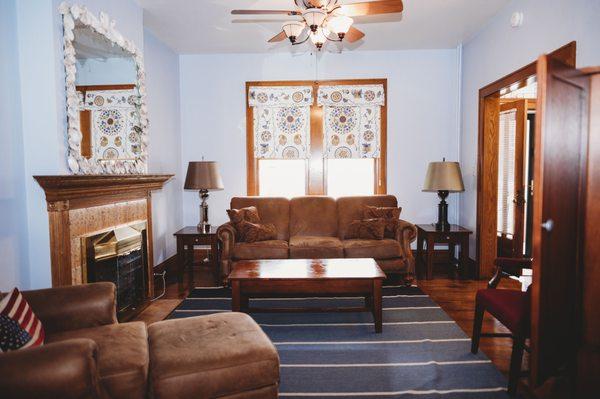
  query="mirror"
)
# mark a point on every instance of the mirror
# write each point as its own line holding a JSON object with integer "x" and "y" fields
{"x": 105, "y": 96}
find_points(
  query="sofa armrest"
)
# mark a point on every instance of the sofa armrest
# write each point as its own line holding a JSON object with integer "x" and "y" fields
{"x": 65, "y": 369}
{"x": 226, "y": 234}
{"x": 74, "y": 307}
{"x": 406, "y": 232}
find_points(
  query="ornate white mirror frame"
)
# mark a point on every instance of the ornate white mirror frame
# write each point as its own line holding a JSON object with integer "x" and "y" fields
{"x": 105, "y": 27}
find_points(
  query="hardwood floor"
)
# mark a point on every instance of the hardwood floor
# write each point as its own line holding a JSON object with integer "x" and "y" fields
{"x": 455, "y": 296}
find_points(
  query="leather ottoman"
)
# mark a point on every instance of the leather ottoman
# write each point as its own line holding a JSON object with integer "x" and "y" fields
{"x": 224, "y": 355}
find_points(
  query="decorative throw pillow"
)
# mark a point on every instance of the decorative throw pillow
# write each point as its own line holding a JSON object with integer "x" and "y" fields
{"x": 19, "y": 327}
{"x": 236, "y": 216}
{"x": 249, "y": 214}
{"x": 253, "y": 232}
{"x": 390, "y": 214}
{"x": 368, "y": 229}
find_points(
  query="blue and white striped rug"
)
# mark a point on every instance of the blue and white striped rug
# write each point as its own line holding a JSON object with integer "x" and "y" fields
{"x": 421, "y": 353}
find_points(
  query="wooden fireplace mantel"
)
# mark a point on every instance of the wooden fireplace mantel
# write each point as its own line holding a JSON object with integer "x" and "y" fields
{"x": 86, "y": 190}
{"x": 81, "y": 204}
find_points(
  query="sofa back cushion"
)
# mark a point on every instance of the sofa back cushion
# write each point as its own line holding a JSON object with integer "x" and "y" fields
{"x": 313, "y": 216}
{"x": 351, "y": 208}
{"x": 271, "y": 210}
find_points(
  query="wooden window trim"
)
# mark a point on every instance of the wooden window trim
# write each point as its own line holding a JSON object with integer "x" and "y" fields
{"x": 317, "y": 166}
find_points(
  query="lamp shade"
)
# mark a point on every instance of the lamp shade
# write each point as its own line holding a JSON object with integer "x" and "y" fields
{"x": 443, "y": 176}
{"x": 293, "y": 28}
{"x": 339, "y": 24}
{"x": 203, "y": 175}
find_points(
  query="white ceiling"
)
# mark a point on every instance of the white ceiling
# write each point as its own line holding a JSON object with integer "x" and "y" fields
{"x": 206, "y": 26}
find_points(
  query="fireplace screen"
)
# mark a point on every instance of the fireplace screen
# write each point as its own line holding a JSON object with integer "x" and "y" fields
{"x": 119, "y": 255}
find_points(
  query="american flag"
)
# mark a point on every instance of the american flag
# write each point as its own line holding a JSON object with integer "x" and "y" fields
{"x": 19, "y": 327}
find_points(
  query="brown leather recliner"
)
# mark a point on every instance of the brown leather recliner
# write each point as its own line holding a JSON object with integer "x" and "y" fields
{"x": 315, "y": 227}
{"x": 86, "y": 354}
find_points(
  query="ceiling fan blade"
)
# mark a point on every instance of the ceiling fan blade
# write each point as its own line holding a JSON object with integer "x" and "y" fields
{"x": 371, "y": 8}
{"x": 278, "y": 37}
{"x": 353, "y": 35}
{"x": 255, "y": 12}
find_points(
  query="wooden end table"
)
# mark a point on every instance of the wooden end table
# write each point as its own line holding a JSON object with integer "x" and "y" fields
{"x": 456, "y": 235}
{"x": 308, "y": 277}
{"x": 187, "y": 238}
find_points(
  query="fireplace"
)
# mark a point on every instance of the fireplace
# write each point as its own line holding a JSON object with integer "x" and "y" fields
{"x": 94, "y": 207}
{"x": 119, "y": 255}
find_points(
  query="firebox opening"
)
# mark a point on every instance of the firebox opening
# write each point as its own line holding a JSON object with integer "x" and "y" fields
{"x": 119, "y": 255}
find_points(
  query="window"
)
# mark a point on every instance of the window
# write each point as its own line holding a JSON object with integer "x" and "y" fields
{"x": 506, "y": 173}
{"x": 350, "y": 177}
{"x": 338, "y": 148}
{"x": 282, "y": 177}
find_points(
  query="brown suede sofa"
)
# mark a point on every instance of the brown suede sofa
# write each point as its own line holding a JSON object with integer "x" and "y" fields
{"x": 312, "y": 227}
{"x": 88, "y": 354}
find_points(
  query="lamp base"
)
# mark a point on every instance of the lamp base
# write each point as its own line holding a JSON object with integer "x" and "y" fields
{"x": 203, "y": 225}
{"x": 442, "y": 222}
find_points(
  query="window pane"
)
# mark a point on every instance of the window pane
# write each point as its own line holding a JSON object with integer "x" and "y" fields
{"x": 282, "y": 177}
{"x": 350, "y": 177}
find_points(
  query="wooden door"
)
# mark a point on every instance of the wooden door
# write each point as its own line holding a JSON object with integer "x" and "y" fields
{"x": 559, "y": 172}
{"x": 511, "y": 184}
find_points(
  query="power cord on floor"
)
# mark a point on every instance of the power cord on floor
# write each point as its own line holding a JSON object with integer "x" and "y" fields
{"x": 164, "y": 280}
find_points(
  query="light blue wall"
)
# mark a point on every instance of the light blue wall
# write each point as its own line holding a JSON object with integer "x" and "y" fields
{"x": 422, "y": 117}
{"x": 498, "y": 50}
{"x": 38, "y": 118}
{"x": 162, "y": 82}
{"x": 13, "y": 226}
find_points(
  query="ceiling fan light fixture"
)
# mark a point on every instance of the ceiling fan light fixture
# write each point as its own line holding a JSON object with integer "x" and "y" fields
{"x": 293, "y": 29}
{"x": 314, "y": 18}
{"x": 340, "y": 25}
{"x": 318, "y": 38}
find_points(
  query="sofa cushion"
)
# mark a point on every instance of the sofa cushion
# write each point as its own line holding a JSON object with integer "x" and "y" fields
{"x": 352, "y": 208}
{"x": 254, "y": 232}
{"x": 370, "y": 229}
{"x": 378, "y": 249}
{"x": 273, "y": 210}
{"x": 313, "y": 216}
{"x": 210, "y": 356}
{"x": 272, "y": 249}
{"x": 390, "y": 214}
{"x": 122, "y": 356}
{"x": 314, "y": 247}
{"x": 19, "y": 326}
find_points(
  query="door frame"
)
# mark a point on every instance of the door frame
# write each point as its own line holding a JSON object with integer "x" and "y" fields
{"x": 487, "y": 157}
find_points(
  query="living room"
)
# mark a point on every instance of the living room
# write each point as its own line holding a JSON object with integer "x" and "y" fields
{"x": 303, "y": 198}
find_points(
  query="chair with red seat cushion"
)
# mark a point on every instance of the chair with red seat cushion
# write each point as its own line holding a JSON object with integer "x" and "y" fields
{"x": 509, "y": 307}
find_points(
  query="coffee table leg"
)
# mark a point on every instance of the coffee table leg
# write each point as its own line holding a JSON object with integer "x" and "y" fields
{"x": 377, "y": 306}
{"x": 235, "y": 296}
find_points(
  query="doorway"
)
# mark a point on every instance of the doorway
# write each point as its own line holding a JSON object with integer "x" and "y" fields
{"x": 516, "y": 129}
{"x": 505, "y": 157}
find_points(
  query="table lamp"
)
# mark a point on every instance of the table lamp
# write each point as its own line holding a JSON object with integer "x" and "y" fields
{"x": 443, "y": 177}
{"x": 203, "y": 176}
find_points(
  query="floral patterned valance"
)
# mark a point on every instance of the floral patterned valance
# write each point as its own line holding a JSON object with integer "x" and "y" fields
{"x": 281, "y": 121}
{"x": 280, "y": 96}
{"x": 351, "y": 120}
{"x": 359, "y": 95}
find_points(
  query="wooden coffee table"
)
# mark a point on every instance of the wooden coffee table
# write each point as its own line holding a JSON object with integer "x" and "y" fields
{"x": 276, "y": 278}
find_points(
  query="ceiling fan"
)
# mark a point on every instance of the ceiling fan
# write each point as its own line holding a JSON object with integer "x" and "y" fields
{"x": 325, "y": 20}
